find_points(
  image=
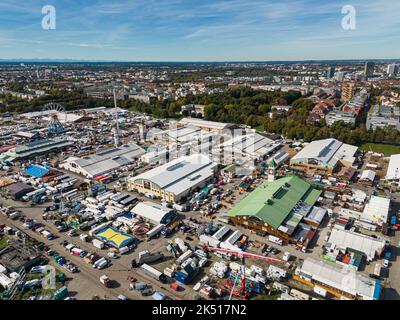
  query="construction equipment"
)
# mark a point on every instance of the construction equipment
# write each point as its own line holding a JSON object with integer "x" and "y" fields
{"x": 243, "y": 255}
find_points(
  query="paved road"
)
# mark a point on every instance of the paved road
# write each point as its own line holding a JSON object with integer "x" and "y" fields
{"x": 86, "y": 283}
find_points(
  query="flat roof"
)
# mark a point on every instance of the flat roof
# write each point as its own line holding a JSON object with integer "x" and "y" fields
{"x": 206, "y": 124}
{"x": 378, "y": 208}
{"x": 357, "y": 241}
{"x": 253, "y": 144}
{"x": 109, "y": 159}
{"x": 344, "y": 279}
{"x": 180, "y": 174}
{"x": 151, "y": 211}
{"x": 328, "y": 151}
{"x": 41, "y": 146}
{"x": 393, "y": 171}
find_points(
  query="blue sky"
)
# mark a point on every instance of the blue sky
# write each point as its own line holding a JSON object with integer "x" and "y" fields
{"x": 199, "y": 30}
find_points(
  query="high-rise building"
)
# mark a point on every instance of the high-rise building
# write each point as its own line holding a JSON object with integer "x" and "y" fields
{"x": 330, "y": 73}
{"x": 392, "y": 69}
{"x": 369, "y": 69}
{"x": 339, "y": 75}
{"x": 348, "y": 91}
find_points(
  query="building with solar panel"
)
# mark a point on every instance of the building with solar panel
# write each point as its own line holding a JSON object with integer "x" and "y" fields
{"x": 104, "y": 161}
{"x": 281, "y": 208}
{"x": 324, "y": 156}
{"x": 176, "y": 179}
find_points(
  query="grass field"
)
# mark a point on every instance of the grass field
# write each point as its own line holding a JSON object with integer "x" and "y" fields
{"x": 260, "y": 128}
{"x": 3, "y": 242}
{"x": 386, "y": 149}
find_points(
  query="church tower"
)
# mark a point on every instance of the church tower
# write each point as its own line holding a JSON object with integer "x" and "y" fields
{"x": 271, "y": 171}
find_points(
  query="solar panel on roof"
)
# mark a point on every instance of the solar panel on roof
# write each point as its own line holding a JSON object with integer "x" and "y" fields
{"x": 176, "y": 166}
{"x": 103, "y": 153}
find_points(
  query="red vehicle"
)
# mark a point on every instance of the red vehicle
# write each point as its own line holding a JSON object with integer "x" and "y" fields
{"x": 175, "y": 287}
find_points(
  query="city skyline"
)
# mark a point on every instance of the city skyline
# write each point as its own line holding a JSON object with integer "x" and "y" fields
{"x": 182, "y": 30}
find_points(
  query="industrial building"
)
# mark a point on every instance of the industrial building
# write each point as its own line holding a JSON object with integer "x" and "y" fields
{"x": 35, "y": 148}
{"x": 211, "y": 126}
{"x": 339, "y": 282}
{"x": 324, "y": 156}
{"x": 344, "y": 239}
{"x": 175, "y": 179}
{"x": 17, "y": 190}
{"x": 277, "y": 207}
{"x": 250, "y": 146}
{"x": 104, "y": 161}
{"x": 377, "y": 210}
{"x": 393, "y": 171}
{"x": 154, "y": 213}
{"x": 16, "y": 256}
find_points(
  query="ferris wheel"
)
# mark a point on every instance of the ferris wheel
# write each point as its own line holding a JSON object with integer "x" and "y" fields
{"x": 55, "y": 112}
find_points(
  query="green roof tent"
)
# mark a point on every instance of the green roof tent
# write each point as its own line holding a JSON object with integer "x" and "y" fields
{"x": 272, "y": 202}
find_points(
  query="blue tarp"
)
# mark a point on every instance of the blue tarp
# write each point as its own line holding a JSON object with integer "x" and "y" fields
{"x": 158, "y": 295}
{"x": 36, "y": 170}
{"x": 377, "y": 290}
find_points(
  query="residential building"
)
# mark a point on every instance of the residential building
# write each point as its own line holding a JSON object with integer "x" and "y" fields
{"x": 340, "y": 116}
{"x": 369, "y": 69}
{"x": 348, "y": 91}
{"x": 381, "y": 116}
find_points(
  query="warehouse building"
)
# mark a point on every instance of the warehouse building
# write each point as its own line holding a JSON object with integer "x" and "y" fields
{"x": 16, "y": 256}
{"x": 377, "y": 210}
{"x": 339, "y": 282}
{"x": 17, "y": 190}
{"x": 344, "y": 239}
{"x": 240, "y": 148}
{"x": 393, "y": 171}
{"x": 176, "y": 179}
{"x": 211, "y": 126}
{"x": 35, "y": 148}
{"x": 324, "y": 156}
{"x": 105, "y": 161}
{"x": 277, "y": 207}
{"x": 154, "y": 213}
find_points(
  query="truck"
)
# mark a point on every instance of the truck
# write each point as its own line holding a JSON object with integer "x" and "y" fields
{"x": 98, "y": 262}
{"x": 154, "y": 273}
{"x": 105, "y": 280}
{"x": 156, "y": 230}
{"x": 286, "y": 256}
{"x": 275, "y": 240}
{"x": 378, "y": 269}
{"x": 148, "y": 257}
{"x": 61, "y": 293}
{"x": 186, "y": 255}
{"x": 98, "y": 244}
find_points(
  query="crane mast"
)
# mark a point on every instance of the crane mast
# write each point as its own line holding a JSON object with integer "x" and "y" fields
{"x": 242, "y": 255}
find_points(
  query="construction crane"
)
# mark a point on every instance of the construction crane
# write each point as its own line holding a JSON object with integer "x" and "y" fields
{"x": 242, "y": 255}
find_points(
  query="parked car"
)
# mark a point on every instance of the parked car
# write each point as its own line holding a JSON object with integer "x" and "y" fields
{"x": 386, "y": 263}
